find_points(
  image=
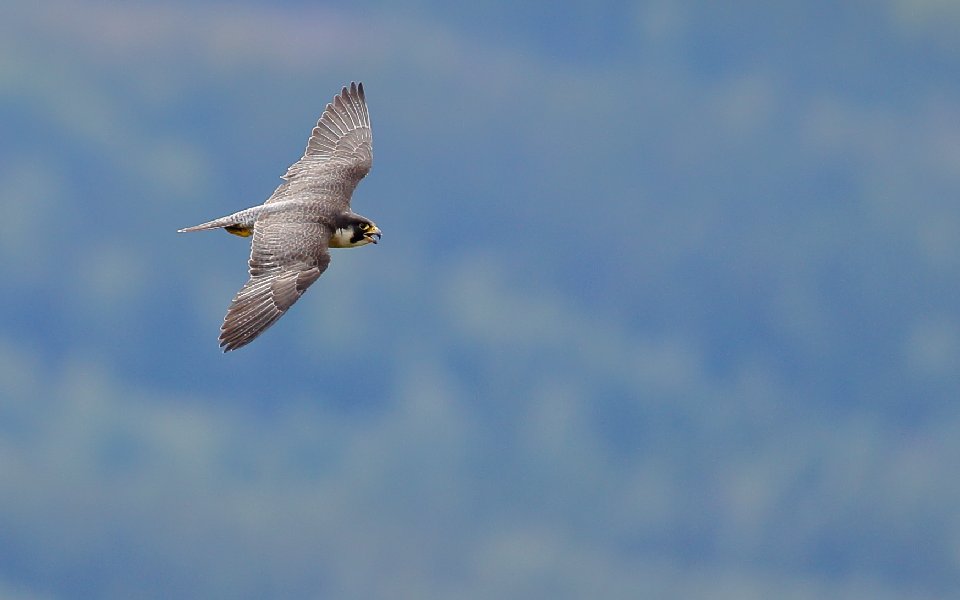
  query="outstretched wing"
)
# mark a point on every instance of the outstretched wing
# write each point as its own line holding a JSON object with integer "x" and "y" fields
{"x": 285, "y": 258}
{"x": 340, "y": 149}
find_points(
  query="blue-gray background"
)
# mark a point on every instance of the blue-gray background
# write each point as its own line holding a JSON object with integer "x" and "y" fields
{"x": 666, "y": 304}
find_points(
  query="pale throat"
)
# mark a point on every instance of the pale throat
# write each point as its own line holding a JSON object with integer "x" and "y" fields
{"x": 341, "y": 239}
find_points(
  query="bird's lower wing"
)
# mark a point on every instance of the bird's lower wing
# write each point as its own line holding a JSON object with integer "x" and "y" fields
{"x": 285, "y": 258}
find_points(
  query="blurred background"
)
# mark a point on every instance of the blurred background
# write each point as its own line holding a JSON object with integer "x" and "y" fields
{"x": 666, "y": 304}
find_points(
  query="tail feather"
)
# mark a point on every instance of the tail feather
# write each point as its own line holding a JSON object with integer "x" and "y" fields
{"x": 241, "y": 222}
{"x": 215, "y": 224}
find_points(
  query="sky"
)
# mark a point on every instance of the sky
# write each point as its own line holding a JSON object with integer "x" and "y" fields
{"x": 666, "y": 304}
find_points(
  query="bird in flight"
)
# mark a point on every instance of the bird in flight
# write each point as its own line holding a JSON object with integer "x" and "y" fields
{"x": 305, "y": 216}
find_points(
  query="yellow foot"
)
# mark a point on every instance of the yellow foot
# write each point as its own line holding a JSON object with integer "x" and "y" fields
{"x": 238, "y": 230}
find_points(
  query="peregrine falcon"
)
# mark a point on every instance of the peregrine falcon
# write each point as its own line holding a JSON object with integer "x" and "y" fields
{"x": 307, "y": 214}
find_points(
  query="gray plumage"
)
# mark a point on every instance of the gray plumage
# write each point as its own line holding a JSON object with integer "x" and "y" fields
{"x": 307, "y": 214}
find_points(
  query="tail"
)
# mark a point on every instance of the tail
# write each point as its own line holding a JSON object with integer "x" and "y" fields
{"x": 239, "y": 223}
{"x": 215, "y": 224}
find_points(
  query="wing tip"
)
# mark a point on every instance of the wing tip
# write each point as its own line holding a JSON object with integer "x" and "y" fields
{"x": 226, "y": 344}
{"x": 355, "y": 89}
{"x": 232, "y": 341}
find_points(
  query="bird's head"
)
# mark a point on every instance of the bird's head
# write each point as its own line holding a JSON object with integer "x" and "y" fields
{"x": 355, "y": 231}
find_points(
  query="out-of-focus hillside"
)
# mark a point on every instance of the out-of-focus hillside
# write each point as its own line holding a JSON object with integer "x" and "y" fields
{"x": 666, "y": 303}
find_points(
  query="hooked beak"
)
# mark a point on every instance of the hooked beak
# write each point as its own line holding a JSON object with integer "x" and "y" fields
{"x": 373, "y": 234}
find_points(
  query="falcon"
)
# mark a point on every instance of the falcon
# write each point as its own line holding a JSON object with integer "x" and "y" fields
{"x": 308, "y": 214}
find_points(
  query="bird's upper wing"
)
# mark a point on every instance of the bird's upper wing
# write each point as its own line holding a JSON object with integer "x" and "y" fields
{"x": 285, "y": 258}
{"x": 340, "y": 149}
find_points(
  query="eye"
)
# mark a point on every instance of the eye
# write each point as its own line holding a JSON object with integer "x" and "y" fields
{"x": 364, "y": 226}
